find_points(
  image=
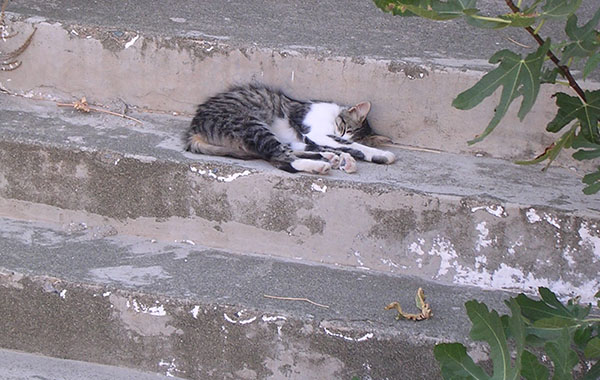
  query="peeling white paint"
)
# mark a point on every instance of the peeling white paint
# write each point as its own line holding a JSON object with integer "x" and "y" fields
{"x": 567, "y": 255}
{"x": 138, "y": 307}
{"x": 365, "y": 337}
{"x": 357, "y": 255}
{"x": 480, "y": 261}
{"x": 234, "y": 176}
{"x": 241, "y": 322}
{"x": 130, "y": 43}
{"x": 510, "y": 278}
{"x": 496, "y": 210}
{"x": 389, "y": 263}
{"x": 316, "y": 187}
{"x": 273, "y": 318}
{"x": 511, "y": 250}
{"x": 171, "y": 367}
{"x": 417, "y": 247}
{"x": 552, "y": 221}
{"x": 211, "y": 174}
{"x": 445, "y": 250}
{"x": 195, "y": 311}
{"x": 532, "y": 216}
{"x": 482, "y": 240}
{"x": 589, "y": 240}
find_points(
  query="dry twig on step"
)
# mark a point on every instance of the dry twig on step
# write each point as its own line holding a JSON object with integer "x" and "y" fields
{"x": 5, "y": 31}
{"x": 296, "y": 299}
{"x": 83, "y": 106}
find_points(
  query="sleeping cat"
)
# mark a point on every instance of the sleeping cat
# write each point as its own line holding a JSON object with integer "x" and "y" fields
{"x": 255, "y": 121}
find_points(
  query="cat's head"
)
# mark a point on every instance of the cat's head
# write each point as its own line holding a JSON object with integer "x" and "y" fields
{"x": 352, "y": 124}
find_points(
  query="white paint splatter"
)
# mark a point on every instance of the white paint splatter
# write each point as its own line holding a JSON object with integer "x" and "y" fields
{"x": 389, "y": 263}
{"x": 567, "y": 254}
{"x": 552, "y": 221}
{"x": 316, "y": 187}
{"x": 532, "y": 216}
{"x": 480, "y": 260}
{"x": 417, "y": 247}
{"x": 357, "y": 255}
{"x": 234, "y": 176}
{"x": 130, "y": 43}
{"x": 138, "y": 307}
{"x": 445, "y": 250}
{"x": 482, "y": 240}
{"x": 171, "y": 367}
{"x": 211, "y": 174}
{"x": 106, "y": 294}
{"x": 589, "y": 240}
{"x": 273, "y": 318}
{"x": 179, "y": 20}
{"x": 241, "y": 322}
{"x": 63, "y": 294}
{"x": 511, "y": 250}
{"x": 195, "y": 311}
{"x": 496, "y": 210}
{"x": 348, "y": 338}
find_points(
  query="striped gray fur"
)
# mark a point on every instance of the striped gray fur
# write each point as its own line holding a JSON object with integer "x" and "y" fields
{"x": 255, "y": 121}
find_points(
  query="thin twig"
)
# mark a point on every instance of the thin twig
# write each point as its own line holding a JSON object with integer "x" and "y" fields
{"x": 563, "y": 69}
{"x": 296, "y": 299}
{"x": 4, "y": 4}
{"x": 517, "y": 43}
{"x": 83, "y": 106}
{"x": 14, "y": 54}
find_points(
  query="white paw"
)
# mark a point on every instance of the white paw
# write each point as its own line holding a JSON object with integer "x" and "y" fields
{"x": 390, "y": 157}
{"x": 333, "y": 159}
{"x": 311, "y": 166}
{"x": 383, "y": 157}
{"x": 321, "y": 167}
{"x": 348, "y": 163}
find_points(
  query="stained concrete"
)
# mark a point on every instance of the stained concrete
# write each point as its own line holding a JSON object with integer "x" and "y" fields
{"x": 16, "y": 365}
{"x": 146, "y": 60}
{"x": 120, "y": 249}
{"x": 197, "y": 313}
{"x": 438, "y": 216}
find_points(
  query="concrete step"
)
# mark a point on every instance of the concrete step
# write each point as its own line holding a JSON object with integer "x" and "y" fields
{"x": 199, "y": 313}
{"x": 438, "y": 216}
{"x": 16, "y": 365}
{"x": 344, "y": 51}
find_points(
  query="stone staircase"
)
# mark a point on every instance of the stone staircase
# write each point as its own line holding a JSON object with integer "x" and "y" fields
{"x": 118, "y": 248}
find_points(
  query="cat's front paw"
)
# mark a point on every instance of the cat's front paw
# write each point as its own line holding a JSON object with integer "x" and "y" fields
{"x": 321, "y": 167}
{"x": 384, "y": 158}
{"x": 333, "y": 159}
{"x": 348, "y": 163}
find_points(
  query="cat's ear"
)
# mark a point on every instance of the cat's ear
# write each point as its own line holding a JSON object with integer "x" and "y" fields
{"x": 360, "y": 111}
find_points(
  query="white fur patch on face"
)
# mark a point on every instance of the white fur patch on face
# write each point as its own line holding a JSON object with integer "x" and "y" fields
{"x": 321, "y": 118}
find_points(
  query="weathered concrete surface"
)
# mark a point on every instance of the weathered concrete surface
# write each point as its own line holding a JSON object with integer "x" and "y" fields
{"x": 409, "y": 76}
{"x": 16, "y": 365}
{"x": 199, "y": 313}
{"x": 454, "y": 219}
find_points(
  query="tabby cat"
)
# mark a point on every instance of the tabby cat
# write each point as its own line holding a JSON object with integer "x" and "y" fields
{"x": 254, "y": 121}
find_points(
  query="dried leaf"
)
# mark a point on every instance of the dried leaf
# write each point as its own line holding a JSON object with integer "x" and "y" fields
{"x": 426, "y": 312}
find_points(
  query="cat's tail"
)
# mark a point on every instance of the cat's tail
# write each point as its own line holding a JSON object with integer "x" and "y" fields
{"x": 374, "y": 140}
{"x": 196, "y": 143}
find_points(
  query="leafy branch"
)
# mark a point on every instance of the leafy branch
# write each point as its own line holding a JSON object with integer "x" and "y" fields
{"x": 563, "y": 331}
{"x": 521, "y": 77}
